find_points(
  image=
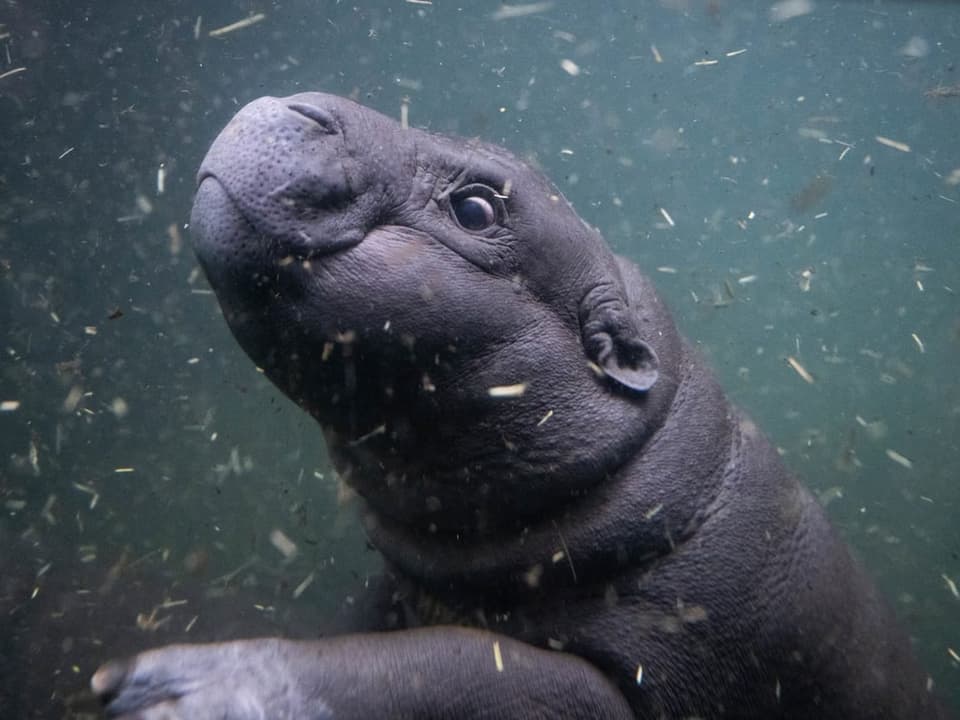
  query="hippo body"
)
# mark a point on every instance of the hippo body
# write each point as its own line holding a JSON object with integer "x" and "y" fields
{"x": 575, "y": 521}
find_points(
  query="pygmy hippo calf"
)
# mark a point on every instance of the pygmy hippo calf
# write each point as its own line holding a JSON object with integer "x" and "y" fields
{"x": 576, "y": 523}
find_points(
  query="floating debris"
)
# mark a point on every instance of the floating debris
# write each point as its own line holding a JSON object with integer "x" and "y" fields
{"x": 951, "y": 585}
{"x": 409, "y": 83}
{"x": 507, "y": 391}
{"x": 119, "y": 408}
{"x": 723, "y": 298}
{"x": 151, "y": 623}
{"x": 143, "y": 205}
{"x": 284, "y": 545}
{"x": 510, "y": 12}
{"x": 546, "y": 417}
{"x": 228, "y": 577}
{"x": 876, "y": 430}
{"x": 176, "y": 240}
{"x": 89, "y": 490}
{"x": 742, "y": 222}
{"x": 895, "y": 144}
{"x": 497, "y": 657}
{"x": 692, "y": 613}
{"x": 533, "y": 575}
{"x": 800, "y": 369}
{"x": 239, "y": 25}
{"x": 915, "y": 47}
{"x": 380, "y": 429}
{"x": 14, "y": 71}
{"x": 304, "y": 584}
{"x": 940, "y": 91}
{"x": 830, "y": 494}
{"x": 47, "y": 511}
{"x": 73, "y": 398}
{"x": 570, "y": 67}
{"x": 33, "y": 453}
{"x": 899, "y": 459}
{"x": 789, "y": 9}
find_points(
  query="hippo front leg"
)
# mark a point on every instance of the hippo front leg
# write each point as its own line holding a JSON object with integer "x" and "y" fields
{"x": 439, "y": 672}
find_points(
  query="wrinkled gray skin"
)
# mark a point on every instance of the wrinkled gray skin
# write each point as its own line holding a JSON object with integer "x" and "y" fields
{"x": 544, "y": 546}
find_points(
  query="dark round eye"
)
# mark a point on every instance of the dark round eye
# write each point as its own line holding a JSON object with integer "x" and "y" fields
{"x": 474, "y": 212}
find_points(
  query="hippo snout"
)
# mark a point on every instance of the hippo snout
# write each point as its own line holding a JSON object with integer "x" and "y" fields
{"x": 283, "y": 165}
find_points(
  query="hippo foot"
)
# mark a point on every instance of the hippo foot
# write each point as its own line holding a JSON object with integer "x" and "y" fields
{"x": 244, "y": 680}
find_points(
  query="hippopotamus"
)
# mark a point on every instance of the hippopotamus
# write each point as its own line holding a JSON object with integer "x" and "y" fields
{"x": 575, "y": 522}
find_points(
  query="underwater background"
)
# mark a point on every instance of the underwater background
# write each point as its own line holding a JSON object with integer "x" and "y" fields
{"x": 787, "y": 172}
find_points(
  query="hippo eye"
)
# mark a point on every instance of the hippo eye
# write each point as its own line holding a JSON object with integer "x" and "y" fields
{"x": 476, "y": 207}
{"x": 474, "y": 213}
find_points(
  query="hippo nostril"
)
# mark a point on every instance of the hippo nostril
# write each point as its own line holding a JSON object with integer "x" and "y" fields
{"x": 320, "y": 116}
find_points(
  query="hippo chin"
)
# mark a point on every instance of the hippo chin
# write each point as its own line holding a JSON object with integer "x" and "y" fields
{"x": 576, "y": 523}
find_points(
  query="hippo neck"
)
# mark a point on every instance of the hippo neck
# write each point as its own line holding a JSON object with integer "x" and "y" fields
{"x": 642, "y": 511}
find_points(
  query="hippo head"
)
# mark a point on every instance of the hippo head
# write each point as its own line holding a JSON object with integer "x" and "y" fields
{"x": 466, "y": 342}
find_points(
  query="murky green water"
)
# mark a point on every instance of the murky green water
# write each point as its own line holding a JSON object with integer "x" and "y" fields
{"x": 790, "y": 184}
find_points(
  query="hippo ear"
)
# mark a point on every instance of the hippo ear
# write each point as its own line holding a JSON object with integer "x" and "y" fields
{"x": 613, "y": 342}
{"x": 628, "y": 361}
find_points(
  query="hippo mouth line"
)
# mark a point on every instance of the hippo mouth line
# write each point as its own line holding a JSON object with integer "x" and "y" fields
{"x": 297, "y": 242}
